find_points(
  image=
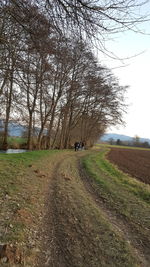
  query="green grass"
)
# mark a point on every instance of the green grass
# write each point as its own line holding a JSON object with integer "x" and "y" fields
{"x": 13, "y": 168}
{"x": 84, "y": 225}
{"x": 136, "y": 187}
{"x": 26, "y": 157}
{"x": 18, "y": 183}
{"x": 117, "y": 146}
{"x": 18, "y": 140}
{"x": 15, "y": 142}
{"x": 16, "y": 234}
{"x": 96, "y": 240}
{"x": 123, "y": 195}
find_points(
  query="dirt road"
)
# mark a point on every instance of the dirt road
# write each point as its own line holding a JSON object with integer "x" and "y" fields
{"x": 78, "y": 229}
{"x": 71, "y": 209}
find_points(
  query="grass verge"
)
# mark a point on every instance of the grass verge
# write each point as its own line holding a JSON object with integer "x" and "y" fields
{"x": 123, "y": 195}
{"x": 84, "y": 230}
{"x": 119, "y": 146}
{"x": 23, "y": 182}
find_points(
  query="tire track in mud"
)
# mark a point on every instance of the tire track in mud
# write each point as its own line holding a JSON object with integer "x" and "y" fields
{"x": 52, "y": 253}
{"x": 57, "y": 243}
{"x": 56, "y": 227}
{"x": 118, "y": 222}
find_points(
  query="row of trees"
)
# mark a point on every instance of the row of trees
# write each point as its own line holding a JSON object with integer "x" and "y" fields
{"x": 50, "y": 81}
{"x": 134, "y": 142}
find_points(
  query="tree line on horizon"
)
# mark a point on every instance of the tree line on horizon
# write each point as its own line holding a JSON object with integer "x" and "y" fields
{"x": 134, "y": 142}
{"x": 50, "y": 79}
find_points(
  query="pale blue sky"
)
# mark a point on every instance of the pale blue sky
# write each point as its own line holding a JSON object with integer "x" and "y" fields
{"x": 136, "y": 74}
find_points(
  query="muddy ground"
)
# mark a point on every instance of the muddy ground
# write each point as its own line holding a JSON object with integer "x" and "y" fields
{"x": 75, "y": 227}
{"x": 132, "y": 161}
{"x": 75, "y": 230}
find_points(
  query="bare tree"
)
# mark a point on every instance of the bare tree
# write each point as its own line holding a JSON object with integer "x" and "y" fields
{"x": 10, "y": 36}
{"x": 96, "y": 16}
{"x": 90, "y": 18}
{"x": 93, "y": 99}
{"x": 53, "y": 81}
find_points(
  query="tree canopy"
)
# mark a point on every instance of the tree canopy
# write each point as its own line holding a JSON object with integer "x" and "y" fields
{"x": 50, "y": 79}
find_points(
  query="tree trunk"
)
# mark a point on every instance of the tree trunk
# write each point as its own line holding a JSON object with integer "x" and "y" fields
{"x": 56, "y": 133}
{"x": 29, "y": 139}
{"x": 8, "y": 108}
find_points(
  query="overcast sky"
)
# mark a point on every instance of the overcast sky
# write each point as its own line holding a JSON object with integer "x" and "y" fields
{"x": 134, "y": 72}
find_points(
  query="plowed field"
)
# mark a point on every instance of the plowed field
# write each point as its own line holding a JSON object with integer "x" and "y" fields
{"x": 132, "y": 161}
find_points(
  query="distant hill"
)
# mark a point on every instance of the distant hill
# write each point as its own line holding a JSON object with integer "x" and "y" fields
{"x": 14, "y": 129}
{"x": 114, "y": 136}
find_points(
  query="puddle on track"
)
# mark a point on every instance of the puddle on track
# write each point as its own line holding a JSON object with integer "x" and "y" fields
{"x": 12, "y": 151}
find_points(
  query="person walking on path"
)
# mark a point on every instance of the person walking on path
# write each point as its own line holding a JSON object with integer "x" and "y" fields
{"x": 76, "y": 146}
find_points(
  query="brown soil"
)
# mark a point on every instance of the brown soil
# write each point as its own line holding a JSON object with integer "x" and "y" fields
{"x": 132, "y": 161}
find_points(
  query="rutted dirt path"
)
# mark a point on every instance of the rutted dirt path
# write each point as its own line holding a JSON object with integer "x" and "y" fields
{"x": 53, "y": 253}
{"x": 78, "y": 230}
